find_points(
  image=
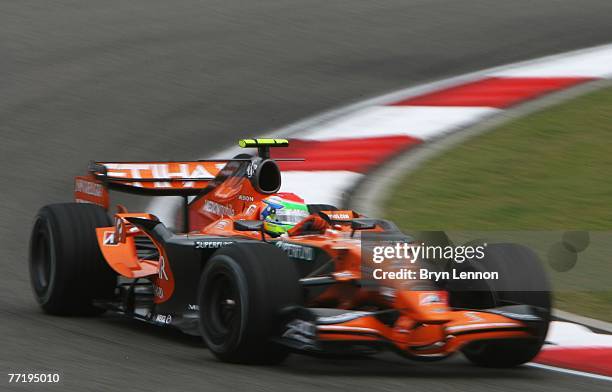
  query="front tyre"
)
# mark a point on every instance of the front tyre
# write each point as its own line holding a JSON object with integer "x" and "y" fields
{"x": 67, "y": 269}
{"x": 522, "y": 281}
{"x": 242, "y": 291}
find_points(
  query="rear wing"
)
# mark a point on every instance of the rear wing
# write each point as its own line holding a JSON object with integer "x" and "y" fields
{"x": 180, "y": 178}
{"x": 169, "y": 178}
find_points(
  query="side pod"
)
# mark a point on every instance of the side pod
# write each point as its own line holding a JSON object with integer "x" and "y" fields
{"x": 181, "y": 259}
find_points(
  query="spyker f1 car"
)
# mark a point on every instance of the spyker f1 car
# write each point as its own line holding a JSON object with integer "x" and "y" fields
{"x": 259, "y": 274}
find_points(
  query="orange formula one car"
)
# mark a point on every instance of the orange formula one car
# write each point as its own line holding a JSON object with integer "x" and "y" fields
{"x": 259, "y": 274}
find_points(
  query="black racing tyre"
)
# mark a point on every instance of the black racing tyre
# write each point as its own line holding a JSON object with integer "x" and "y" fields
{"x": 242, "y": 291}
{"x": 522, "y": 280}
{"x": 67, "y": 269}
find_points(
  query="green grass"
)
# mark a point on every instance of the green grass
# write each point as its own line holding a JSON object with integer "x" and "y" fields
{"x": 551, "y": 170}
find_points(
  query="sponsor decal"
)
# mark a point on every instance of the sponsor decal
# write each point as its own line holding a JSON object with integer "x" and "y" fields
{"x": 484, "y": 326}
{"x": 163, "y": 318}
{"x": 342, "y": 318}
{"x": 163, "y": 284}
{"x": 187, "y": 170}
{"x": 217, "y": 209}
{"x": 211, "y": 244}
{"x": 302, "y": 331}
{"x": 251, "y": 209}
{"x": 158, "y": 292}
{"x": 430, "y": 299}
{"x": 109, "y": 239}
{"x": 89, "y": 188}
{"x": 246, "y": 198}
{"x": 162, "y": 274}
{"x": 193, "y": 307}
{"x": 222, "y": 224}
{"x": 339, "y": 216}
{"x": 251, "y": 169}
{"x": 474, "y": 317}
{"x": 516, "y": 316}
{"x": 343, "y": 274}
{"x": 296, "y": 251}
{"x": 119, "y": 230}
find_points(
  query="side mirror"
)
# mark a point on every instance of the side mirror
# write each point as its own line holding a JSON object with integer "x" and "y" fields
{"x": 362, "y": 224}
{"x": 248, "y": 225}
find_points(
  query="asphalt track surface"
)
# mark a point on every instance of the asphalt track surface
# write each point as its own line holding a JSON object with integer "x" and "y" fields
{"x": 150, "y": 79}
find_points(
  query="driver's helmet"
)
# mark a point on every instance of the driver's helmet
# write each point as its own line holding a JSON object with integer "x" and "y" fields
{"x": 282, "y": 211}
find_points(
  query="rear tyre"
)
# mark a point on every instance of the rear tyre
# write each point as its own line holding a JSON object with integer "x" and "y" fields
{"x": 242, "y": 291}
{"x": 67, "y": 269}
{"x": 522, "y": 281}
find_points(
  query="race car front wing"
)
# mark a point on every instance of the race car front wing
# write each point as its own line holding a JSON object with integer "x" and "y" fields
{"x": 338, "y": 331}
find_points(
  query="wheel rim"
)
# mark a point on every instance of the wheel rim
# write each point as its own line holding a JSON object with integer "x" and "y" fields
{"x": 223, "y": 306}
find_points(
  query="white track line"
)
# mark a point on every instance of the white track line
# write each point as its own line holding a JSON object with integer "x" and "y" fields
{"x": 569, "y": 371}
{"x": 423, "y": 122}
{"x": 564, "y": 334}
{"x": 594, "y": 64}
